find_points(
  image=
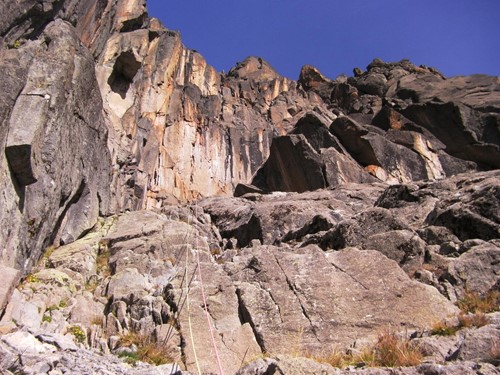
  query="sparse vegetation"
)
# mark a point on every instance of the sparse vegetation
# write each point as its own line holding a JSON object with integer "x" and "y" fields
{"x": 47, "y": 253}
{"x": 171, "y": 259}
{"x": 30, "y": 278}
{"x": 102, "y": 260}
{"x": 148, "y": 350}
{"x": 390, "y": 350}
{"x": 97, "y": 320}
{"x": 215, "y": 250}
{"x": 78, "y": 333}
{"x": 446, "y": 328}
{"x": 129, "y": 357}
{"x": 335, "y": 359}
{"x": 476, "y": 303}
{"x": 472, "y": 320}
{"x": 473, "y": 309}
{"x": 443, "y": 328}
{"x": 437, "y": 270}
{"x": 92, "y": 283}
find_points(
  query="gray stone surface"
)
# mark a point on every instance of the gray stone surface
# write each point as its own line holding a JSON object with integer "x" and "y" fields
{"x": 281, "y": 216}
{"x": 312, "y": 298}
{"x": 278, "y": 300}
{"x": 56, "y": 165}
{"x": 480, "y": 344}
{"x": 104, "y": 110}
{"x": 477, "y": 269}
{"x": 10, "y": 277}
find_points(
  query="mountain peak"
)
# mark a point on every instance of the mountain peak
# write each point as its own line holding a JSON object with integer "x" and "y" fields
{"x": 255, "y": 68}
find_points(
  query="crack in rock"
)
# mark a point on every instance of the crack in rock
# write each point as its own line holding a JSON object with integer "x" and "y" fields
{"x": 348, "y": 274}
{"x": 296, "y": 293}
{"x": 245, "y": 317}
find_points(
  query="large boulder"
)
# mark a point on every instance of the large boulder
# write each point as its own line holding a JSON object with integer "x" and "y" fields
{"x": 287, "y": 216}
{"x": 293, "y": 165}
{"x": 369, "y": 147}
{"x": 312, "y": 299}
{"x": 467, "y": 133}
{"x": 476, "y": 270}
{"x": 308, "y": 158}
{"x": 475, "y": 213}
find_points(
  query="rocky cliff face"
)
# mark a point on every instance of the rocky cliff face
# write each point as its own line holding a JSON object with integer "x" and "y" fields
{"x": 282, "y": 276}
{"x": 55, "y": 166}
{"x": 179, "y": 129}
{"x": 360, "y": 202}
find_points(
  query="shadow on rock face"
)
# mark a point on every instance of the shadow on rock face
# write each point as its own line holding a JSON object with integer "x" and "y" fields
{"x": 124, "y": 71}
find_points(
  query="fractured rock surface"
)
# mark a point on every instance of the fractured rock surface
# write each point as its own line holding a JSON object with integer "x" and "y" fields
{"x": 322, "y": 298}
{"x": 55, "y": 167}
{"x": 360, "y": 203}
{"x": 153, "y": 273}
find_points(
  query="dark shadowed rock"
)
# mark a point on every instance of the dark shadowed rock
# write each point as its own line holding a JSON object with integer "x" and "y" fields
{"x": 475, "y": 213}
{"x": 403, "y": 246}
{"x": 357, "y": 230}
{"x": 420, "y": 140}
{"x": 316, "y": 131}
{"x": 466, "y": 133}
{"x": 373, "y": 84}
{"x": 368, "y": 146}
{"x": 242, "y": 189}
{"x": 478, "y": 91}
{"x": 467, "y": 196}
{"x": 309, "y": 158}
{"x": 318, "y": 223}
{"x": 293, "y": 165}
{"x": 340, "y": 168}
{"x": 437, "y": 235}
{"x": 234, "y": 218}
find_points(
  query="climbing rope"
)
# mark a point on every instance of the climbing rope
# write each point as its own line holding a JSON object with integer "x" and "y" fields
{"x": 207, "y": 314}
{"x": 187, "y": 291}
{"x": 188, "y": 304}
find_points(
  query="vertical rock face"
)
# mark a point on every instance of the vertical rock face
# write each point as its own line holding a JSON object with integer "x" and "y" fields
{"x": 55, "y": 167}
{"x": 103, "y": 110}
{"x": 103, "y": 107}
{"x": 179, "y": 130}
{"x": 397, "y": 122}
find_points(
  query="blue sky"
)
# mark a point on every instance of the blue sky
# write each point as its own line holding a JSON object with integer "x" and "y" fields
{"x": 458, "y": 37}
